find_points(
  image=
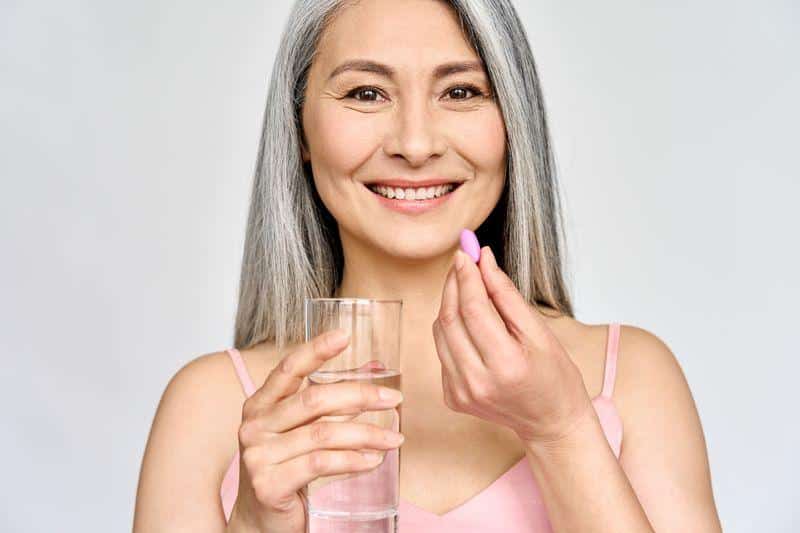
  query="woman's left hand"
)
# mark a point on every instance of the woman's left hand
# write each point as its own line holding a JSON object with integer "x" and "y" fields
{"x": 500, "y": 361}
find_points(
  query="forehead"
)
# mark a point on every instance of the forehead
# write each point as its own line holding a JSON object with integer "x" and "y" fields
{"x": 408, "y": 34}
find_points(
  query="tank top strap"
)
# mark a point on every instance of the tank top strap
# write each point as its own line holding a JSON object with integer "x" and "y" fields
{"x": 611, "y": 360}
{"x": 241, "y": 371}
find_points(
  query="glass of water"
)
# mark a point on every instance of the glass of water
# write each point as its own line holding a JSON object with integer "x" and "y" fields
{"x": 362, "y": 501}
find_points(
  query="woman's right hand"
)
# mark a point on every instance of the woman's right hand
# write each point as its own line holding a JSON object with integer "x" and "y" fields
{"x": 283, "y": 447}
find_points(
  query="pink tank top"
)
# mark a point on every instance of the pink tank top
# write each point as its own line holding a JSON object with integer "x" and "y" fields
{"x": 512, "y": 502}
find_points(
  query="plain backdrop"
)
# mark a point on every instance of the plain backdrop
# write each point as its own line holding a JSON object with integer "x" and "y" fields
{"x": 128, "y": 137}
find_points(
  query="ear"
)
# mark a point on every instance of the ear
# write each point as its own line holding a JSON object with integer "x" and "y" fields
{"x": 303, "y": 148}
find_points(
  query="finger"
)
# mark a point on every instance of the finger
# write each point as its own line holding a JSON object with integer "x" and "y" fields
{"x": 442, "y": 350}
{"x": 484, "y": 325}
{"x": 367, "y": 367}
{"x": 329, "y": 435}
{"x": 449, "y": 369}
{"x": 287, "y": 376}
{"x": 448, "y": 391}
{"x": 465, "y": 356}
{"x": 343, "y": 398}
{"x": 515, "y": 311}
{"x": 293, "y": 474}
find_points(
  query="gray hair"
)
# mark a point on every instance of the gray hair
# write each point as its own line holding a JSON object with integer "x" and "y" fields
{"x": 292, "y": 248}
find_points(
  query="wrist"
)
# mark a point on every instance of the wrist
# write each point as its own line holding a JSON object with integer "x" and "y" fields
{"x": 583, "y": 426}
{"x": 239, "y": 524}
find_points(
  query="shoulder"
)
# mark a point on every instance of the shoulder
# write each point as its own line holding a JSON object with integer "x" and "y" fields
{"x": 644, "y": 360}
{"x": 204, "y": 398}
{"x": 216, "y": 369}
{"x": 664, "y": 449}
{"x": 192, "y": 437}
{"x": 209, "y": 382}
{"x": 586, "y": 345}
{"x": 649, "y": 384}
{"x": 646, "y": 368}
{"x": 654, "y": 399}
{"x": 647, "y": 365}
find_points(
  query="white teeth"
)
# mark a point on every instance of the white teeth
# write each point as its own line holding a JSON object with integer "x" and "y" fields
{"x": 423, "y": 193}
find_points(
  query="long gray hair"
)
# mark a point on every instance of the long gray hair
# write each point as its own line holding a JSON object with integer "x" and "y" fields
{"x": 292, "y": 249}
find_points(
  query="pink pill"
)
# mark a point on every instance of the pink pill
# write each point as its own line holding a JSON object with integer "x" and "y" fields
{"x": 470, "y": 244}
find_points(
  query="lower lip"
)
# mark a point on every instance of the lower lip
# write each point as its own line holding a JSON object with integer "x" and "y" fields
{"x": 412, "y": 207}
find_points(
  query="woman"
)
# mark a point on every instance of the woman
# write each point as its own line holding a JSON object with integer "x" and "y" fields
{"x": 499, "y": 375}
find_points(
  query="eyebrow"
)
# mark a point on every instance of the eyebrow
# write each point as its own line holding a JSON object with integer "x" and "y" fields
{"x": 441, "y": 71}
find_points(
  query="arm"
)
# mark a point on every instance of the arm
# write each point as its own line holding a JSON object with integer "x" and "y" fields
{"x": 662, "y": 480}
{"x": 179, "y": 480}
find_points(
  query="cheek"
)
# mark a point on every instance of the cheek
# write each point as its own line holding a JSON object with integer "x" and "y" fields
{"x": 483, "y": 139}
{"x": 343, "y": 141}
{"x": 340, "y": 148}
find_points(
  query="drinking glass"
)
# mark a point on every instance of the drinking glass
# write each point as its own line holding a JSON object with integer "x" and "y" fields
{"x": 362, "y": 501}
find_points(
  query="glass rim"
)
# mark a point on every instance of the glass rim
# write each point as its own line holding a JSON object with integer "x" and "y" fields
{"x": 355, "y": 300}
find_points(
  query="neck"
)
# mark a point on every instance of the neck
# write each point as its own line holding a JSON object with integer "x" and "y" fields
{"x": 370, "y": 272}
{"x": 418, "y": 282}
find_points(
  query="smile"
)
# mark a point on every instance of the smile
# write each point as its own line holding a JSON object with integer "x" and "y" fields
{"x": 406, "y": 201}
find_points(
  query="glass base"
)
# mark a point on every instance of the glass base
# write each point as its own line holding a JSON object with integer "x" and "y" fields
{"x": 353, "y": 523}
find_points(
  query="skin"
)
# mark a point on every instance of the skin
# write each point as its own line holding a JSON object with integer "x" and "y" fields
{"x": 410, "y": 126}
{"x": 416, "y": 126}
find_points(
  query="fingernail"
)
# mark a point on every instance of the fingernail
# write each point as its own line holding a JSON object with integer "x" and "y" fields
{"x": 492, "y": 260}
{"x": 470, "y": 244}
{"x": 395, "y": 438}
{"x": 459, "y": 260}
{"x": 390, "y": 395}
{"x": 372, "y": 457}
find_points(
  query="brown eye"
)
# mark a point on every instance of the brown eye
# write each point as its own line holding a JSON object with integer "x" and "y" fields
{"x": 463, "y": 90}
{"x": 368, "y": 94}
{"x": 369, "y": 91}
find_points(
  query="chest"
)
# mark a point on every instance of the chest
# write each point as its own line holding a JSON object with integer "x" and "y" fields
{"x": 449, "y": 458}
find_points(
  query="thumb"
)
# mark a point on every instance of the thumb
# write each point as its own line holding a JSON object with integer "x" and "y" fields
{"x": 515, "y": 311}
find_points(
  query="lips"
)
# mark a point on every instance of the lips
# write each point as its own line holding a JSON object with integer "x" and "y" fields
{"x": 415, "y": 184}
{"x": 413, "y": 207}
{"x": 371, "y": 187}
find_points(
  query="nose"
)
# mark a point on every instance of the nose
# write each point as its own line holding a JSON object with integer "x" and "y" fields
{"x": 415, "y": 134}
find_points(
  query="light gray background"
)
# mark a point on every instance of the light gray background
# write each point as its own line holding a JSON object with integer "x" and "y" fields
{"x": 128, "y": 137}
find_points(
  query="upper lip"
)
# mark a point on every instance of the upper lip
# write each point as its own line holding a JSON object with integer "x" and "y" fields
{"x": 413, "y": 184}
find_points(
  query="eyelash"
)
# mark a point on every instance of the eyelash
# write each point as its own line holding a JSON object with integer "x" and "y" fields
{"x": 478, "y": 93}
